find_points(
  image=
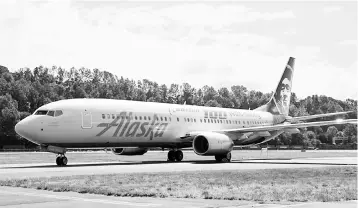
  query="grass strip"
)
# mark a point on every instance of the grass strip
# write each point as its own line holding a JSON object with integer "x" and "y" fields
{"x": 275, "y": 185}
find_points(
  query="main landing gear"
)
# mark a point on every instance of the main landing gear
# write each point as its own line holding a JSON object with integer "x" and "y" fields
{"x": 61, "y": 160}
{"x": 226, "y": 158}
{"x": 175, "y": 155}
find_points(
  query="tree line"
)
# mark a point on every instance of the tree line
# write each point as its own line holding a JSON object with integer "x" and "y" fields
{"x": 25, "y": 90}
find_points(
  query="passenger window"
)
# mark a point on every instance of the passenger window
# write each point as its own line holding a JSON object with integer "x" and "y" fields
{"x": 135, "y": 117}
{"x": 140, "y": 117}
{"x": 103, "y": 116}
{"x": 113, "y": 116}
{"x": 194, "y": 120}
{"x": 161, "y": 118}
{"x": 58, "y": 113}
{"x": 201, "y": 121}
{"x": 51, "y": 113}
{"x": 149, "y": 118}
{"x": 204, "y": 120}
{"x": 145, "y": 117}
{"x": 178, "y": 119}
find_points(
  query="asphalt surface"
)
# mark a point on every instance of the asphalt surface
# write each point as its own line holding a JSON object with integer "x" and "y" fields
{"x": 19, "y": 197}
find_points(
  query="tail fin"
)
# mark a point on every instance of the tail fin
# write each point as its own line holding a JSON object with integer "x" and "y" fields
{"x": 280, "y": 100}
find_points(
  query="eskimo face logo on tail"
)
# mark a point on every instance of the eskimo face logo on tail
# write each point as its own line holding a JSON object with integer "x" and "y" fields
{"x": 283, "y": 97}
{"x": 283, "y": 92}
{"x": 126, "y": 128}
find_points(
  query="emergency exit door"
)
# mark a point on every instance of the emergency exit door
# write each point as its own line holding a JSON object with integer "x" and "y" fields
{"x": 86, "y": 120}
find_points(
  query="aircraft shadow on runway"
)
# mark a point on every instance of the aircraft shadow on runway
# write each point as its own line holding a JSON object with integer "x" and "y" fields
{"x": 126, "y": 163}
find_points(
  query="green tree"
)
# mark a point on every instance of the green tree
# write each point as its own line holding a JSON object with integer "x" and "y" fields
{"x": 331, "y": 132}
{"x": 212, "y": 103}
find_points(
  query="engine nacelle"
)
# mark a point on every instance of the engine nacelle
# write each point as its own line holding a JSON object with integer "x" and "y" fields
{"x": 212, "y": 143}
{"x": 129, "y": 151}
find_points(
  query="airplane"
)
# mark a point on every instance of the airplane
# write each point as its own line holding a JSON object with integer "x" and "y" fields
{"x": 132, "y": 127}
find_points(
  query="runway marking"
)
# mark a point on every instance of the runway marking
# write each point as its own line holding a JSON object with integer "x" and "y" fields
{"x": 83, "y": 199}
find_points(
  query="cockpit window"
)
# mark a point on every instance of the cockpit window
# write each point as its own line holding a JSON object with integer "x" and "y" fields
{"x": 41, "y": 112}
{"x": 58, "y": 113}
{"x": 51, "y": 113}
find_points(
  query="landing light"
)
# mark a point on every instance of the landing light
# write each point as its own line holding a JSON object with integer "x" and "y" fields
{"x": 339, "y": 120}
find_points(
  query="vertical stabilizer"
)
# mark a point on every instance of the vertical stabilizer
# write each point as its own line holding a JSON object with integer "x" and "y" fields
{"x": 279, "y": 103}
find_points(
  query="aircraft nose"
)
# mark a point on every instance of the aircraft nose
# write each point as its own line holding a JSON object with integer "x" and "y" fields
{"x": 23, "y": 128}
{"x": 20, "y": 128}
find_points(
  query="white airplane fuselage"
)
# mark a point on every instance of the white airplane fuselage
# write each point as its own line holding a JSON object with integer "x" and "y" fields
{"x": 121, "y": 123}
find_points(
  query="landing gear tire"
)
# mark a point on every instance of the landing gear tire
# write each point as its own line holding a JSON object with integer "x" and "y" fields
{"x": 223, "y": 158}
{"x": 61, "y": 161}
{"x": 179, "y": 155}
{"x": 175, "y": 156}
{"x": 171, "y": 156}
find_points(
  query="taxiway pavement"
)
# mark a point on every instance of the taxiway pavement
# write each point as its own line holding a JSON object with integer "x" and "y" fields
{"x": 14, "y": 171}
{"x": 20, "y": 197}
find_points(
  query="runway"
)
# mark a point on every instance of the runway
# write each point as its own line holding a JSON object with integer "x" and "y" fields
{"x": 15, "y": 171}
{"x": 151, "y": 162}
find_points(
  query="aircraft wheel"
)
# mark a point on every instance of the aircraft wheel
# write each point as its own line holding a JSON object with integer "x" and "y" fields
{"x": 64, "y": 160}
{"x": 179, "y": 155}
{"x": 218, "y": 158}
{"x": 58, "y": 161}
{"x": 223, "y": 158}
{"x": 61, "y": 161}
{"x": 171, "y": 156}
{"x": 227, "y": 158}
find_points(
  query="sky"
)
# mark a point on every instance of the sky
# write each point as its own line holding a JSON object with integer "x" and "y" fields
{"x": 211, "y": 43}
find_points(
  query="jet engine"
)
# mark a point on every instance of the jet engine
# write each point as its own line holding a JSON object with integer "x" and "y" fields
{"x": 129, "y": 151}
{"x": 212, "y": 143}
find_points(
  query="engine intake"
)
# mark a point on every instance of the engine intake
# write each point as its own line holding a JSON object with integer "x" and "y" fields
{"x": 129, "y": 151}
{"x": 212, "y": 143}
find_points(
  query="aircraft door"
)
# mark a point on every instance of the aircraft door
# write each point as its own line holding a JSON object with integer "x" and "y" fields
{"x": 86, "y": 120}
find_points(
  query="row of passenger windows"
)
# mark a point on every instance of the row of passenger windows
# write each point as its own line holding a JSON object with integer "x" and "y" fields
{"x": 113, "y": 116}
{"x": 49, "y": 113}
{"x": 223, "y": 121}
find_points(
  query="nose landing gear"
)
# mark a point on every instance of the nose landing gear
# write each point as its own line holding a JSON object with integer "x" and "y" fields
{"x": 61, "y": 160}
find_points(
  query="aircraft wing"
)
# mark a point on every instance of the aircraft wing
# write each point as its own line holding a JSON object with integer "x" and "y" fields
{"x": 278, "y": 127}
{"x": 286, "y": 126}
{"x": 302, "y": 118}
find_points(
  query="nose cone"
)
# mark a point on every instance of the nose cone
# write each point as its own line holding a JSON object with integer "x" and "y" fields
{"x": 24, "y": 129}
{"x": 20, "y": 128}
